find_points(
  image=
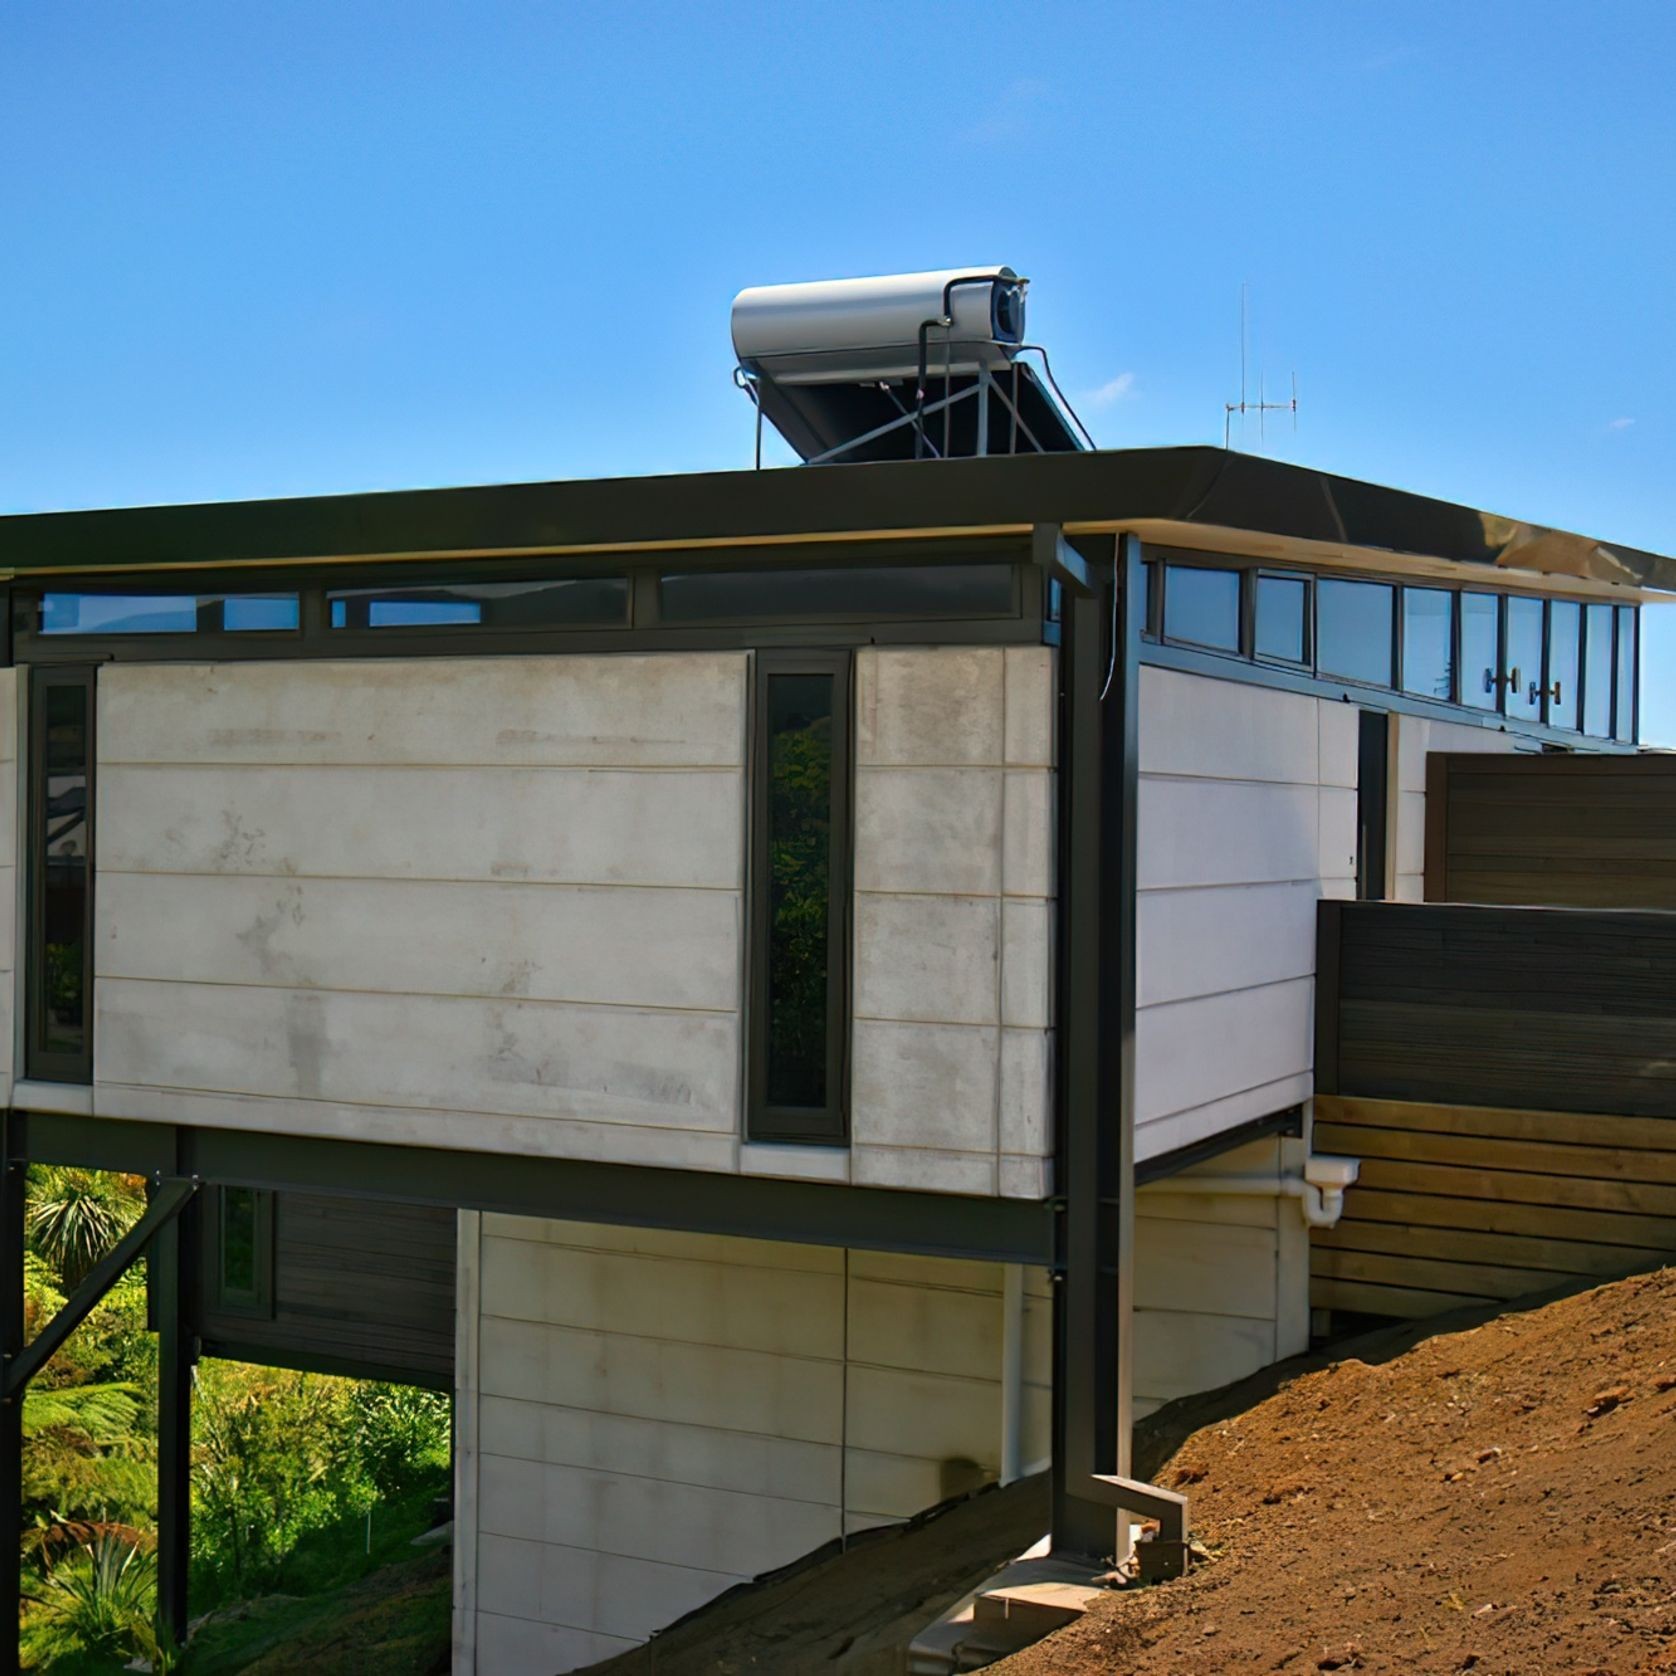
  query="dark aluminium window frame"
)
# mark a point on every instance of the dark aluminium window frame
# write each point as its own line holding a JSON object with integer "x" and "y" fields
{"x": 1248, "y": 664}
{"x": 827, "y": 1125}
{"x": 40, "y": 1062}
{"x": 257, "y": 1301}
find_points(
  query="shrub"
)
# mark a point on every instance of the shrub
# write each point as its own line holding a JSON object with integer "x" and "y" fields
{"x": 95, "y": 1609}
{"x": 399, "y": 1434}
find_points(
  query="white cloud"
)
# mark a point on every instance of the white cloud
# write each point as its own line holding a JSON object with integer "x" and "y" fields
{"x": 1011, "y": 117}
{"x": 1620, "y": 424}
{"x": 1113, "y": 390}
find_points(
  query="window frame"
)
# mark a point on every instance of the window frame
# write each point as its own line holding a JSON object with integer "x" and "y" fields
{"x": 828, "y": 1125}
{"x": 1243, "y": 590}
{"x": 1588, "y": 675}
{"x": 1453, "y": 595}
{"x": 41, "y": 1063}
{"x": 1626, "y": 731}
{"x": 258, "y": 1303}
{"x": 1270, "y": 574}
{"x": 1392, "y": 683}
{"x": 209, "y": 611}
{"x": 1548, "y": 677}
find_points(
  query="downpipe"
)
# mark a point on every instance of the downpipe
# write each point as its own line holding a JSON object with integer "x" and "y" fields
{"x": 1319, "y": 1189}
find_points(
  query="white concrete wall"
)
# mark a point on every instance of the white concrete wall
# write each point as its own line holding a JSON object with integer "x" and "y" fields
{"x": 954, "y": 888}
{"x": 649, "y": 1418}
{"x": 489, "y": 903}
{"x": 1221, "y": 1283}
{"x": 1417, "y": 737}
{"x": 499, "y": 903}
{"x": 1247, "y": 818}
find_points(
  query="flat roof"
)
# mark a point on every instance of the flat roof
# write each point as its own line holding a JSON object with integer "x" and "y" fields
{"x": 1166, "y": 493}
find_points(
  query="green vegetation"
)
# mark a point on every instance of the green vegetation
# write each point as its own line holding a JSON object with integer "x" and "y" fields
{"x": 302, "y": 1485}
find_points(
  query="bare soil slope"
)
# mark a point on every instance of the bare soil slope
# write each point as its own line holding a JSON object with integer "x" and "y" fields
{"x": 1500, "y": 1500}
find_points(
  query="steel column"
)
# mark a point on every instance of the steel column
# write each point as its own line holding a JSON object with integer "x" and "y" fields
{"x": 1099, "y": 768}
{"x": 12, "y": 1173}
{"x": 172, "y": 1249}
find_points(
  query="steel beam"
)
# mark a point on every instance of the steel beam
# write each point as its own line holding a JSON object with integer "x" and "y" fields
{"x": 167, "y": 1202}
{"x": 629, "y": 1195}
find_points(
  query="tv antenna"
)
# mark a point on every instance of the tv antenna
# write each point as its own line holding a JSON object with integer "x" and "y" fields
{"x": 1262, "y": 407}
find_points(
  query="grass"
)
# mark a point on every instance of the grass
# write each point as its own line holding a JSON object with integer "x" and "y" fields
{"x": 346, "y": 1610}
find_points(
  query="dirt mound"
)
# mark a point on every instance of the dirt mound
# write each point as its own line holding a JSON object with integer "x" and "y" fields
{"x": 851, "y": 1612}
{"x": 1500, "y": 1500}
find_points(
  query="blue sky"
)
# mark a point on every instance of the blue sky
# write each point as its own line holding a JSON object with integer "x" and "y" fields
{"x": 319, "y": 245}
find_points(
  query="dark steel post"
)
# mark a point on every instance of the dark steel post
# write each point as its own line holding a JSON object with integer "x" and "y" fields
{"x": 173, "y": 1246}
{"x": 1099, "y": 767}
{"x": 12, "y": 1175}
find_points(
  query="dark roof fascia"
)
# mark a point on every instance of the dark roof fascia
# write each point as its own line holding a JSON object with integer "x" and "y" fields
{"x": 1203, "y": 486}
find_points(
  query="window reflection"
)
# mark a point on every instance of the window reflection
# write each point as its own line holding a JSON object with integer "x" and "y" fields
{"x": 1597, "y": 671}
{"x": 799, "y": 721}
{"x": 65, "y": 848}
{"x": 1481, "y": 651}
{"x": 1565, "y": 629}
{"x": 1623, "y": 726}
{"x": 1428, "y": 642}
{"x": 576, "y": 601}
{"x": 1353, "y": 630}
{"x": 1524, "y": 659}
{"x": 1282, "y": 618}
{"x": 63, "y": 613}
{"x": 1202, "y": 606}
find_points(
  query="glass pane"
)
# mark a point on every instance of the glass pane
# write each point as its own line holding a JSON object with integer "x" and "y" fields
{"x": 578, "y": 601}
{"x": 799, "y": 722}
{"x": 165, "y": 613}
{"x": 1353, "y": 631}
{"x": 64, "y": 845}
{"x": 1202, "y": 606}
{"x": 238, "y": 1242}
{"x": 1480, "y": 650}
{"x": 1597, "y": 671}
{"x": 1282, "y": 604}
{"x": 1524, "y": 659}
{"x": 1428, "y": 643}
{"x": 250, "y": 612}
{"x": 1624, "y": 720}
{"x": 949, "y": 590}
{"x": 1565, "y": 628}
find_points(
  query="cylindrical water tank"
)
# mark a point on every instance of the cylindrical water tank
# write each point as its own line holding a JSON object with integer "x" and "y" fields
{"x": 857, "y": 330}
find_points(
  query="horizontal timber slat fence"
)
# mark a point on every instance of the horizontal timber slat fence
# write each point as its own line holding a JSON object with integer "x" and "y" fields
{"x": 1508, "y": 1078}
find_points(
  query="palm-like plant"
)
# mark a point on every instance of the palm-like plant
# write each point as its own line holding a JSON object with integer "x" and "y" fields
{"x": 76, "y": 1216}
{"x": 95, "y": 1605}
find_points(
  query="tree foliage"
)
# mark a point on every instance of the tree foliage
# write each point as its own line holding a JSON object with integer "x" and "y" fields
{"x": 277, "y": 1457}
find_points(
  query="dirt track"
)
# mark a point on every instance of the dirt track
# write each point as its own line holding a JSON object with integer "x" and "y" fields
{"x": 1500, "y": 1501}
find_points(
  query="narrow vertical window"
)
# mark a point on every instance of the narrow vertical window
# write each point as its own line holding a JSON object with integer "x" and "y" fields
{"x": 1565, "y": 628}
{"x": 1428, "y": 642}
{"x": 1373, "y": 807}
{"x": 242, "y": 1248}
{"x": 1524, "y": 659}
{"x": 1623, "y": 725}
{"x": 800, "y": 889}
{"x": 1597, "y": 671}
{"x": 60, "y": 974}
{"x": 1481, "y": 673}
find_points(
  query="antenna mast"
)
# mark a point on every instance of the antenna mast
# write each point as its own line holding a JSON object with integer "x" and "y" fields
{"x": 1261, "y": 407}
